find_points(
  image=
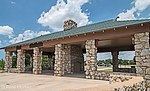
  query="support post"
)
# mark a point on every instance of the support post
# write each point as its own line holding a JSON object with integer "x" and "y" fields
{"x": 37, "y": 60}
{"x": 115, "y": 60}
{"x": 31, "y": 61}
{"x": 77, "y": 59}
{"x": 50, "y": 63}
{"x": 91, "y": 59}
{"x": 8, "y": 62}
{"x": 59, "y": 60}
{"x": 20, "y": 61}
{"x": 63, "y": 62}
{"x": 67, "y": 58}
{"x": 142, "y": 57}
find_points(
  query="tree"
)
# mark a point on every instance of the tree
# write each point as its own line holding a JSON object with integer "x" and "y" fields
{"x": 44, "y": 62}
{"x": 14, "y": 61}
{"x": 100, "y": 62}
{"x": 27, "y": 60}
{"x": 2, "y": 64}
{"x": 108, "y": 61}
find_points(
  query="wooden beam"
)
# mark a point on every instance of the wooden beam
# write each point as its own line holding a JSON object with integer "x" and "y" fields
{"x": 39, "y": 44}
{"x": 111, "y": 49}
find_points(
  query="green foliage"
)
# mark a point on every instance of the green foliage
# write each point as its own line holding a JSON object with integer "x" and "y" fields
{"x": 27, "y": 60}
{"x": 108, "y": 61}
{"x": 45, "y": 65}
{"x": 121, "y": 62}
{"x": 44, "y": 62}
{"x": 2, "y": 64}
{"x": 100, "y": 62}
{"x": 14, "y": 61}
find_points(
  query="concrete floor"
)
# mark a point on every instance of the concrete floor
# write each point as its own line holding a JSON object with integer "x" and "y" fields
{"x": 31, "y": 82}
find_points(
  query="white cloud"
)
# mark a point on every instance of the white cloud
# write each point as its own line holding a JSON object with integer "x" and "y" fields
{"x": 6, "y": 30}
{"x": 142, "y": 4}
{"x": 128, "y": 15}
{"x": 12, "y": 2}
{"x": 125, "y": 55}
{"x": 0, "y": 43}
{"x": 128, "y": 55}
{"x": 62, "y": 11}
{"x": 135, "y": 12}
{"x": 28, "y": 34}
{"x": 104, "y": 56}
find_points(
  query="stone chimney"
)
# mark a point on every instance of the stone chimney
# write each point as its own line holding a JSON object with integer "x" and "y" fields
{"x": 69, "y": 24}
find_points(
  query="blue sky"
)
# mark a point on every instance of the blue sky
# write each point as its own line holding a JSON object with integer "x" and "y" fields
{"x": 25, "y": 19}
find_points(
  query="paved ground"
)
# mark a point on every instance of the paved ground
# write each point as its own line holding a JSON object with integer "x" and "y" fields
{"x": 30, "y": 82}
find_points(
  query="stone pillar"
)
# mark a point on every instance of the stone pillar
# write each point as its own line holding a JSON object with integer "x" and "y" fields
{"x": 37, "y": 60}
{"x": 50, "y": 63}
{"x": 91, "y": 59}
{"x": 62, "y": 59}
{"x": 67, "y": 58}
{"x": 59, "y": 60}
{"x": 8, "y": 62}
{"x": 31, "y": 61}
{"x": 142, "y": 57}
{"x": 20, "y": 61}
{"x": 115, "y": 60}
{"x": 77, "y": 58}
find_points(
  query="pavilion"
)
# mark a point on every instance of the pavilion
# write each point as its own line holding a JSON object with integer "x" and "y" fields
{"x": 69, "y": 45}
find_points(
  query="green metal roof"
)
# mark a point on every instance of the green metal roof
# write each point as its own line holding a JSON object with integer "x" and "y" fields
{"x": 84, "y": 29}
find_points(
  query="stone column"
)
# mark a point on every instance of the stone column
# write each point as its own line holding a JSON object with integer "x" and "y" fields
{"x": 77, "y": 58}
{"x": 142, "y": 57}
{"x": 8, "y": 62}
{"x": 59, "y": 60}
{"x": 62, "y": 59}
{"x": 20, "y": 61}
{"x": 115, "y": 60}
{"x": 31, "y": 61}
{"x": 91, "y": 59}
{"x": 50, "y": 63}
{"x": 67, "y": 58}
{"x": 37, "y": 60}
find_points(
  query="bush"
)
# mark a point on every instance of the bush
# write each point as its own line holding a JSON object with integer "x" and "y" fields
{"x": 2, "y": 64}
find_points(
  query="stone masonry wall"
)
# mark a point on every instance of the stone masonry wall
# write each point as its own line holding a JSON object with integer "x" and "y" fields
{"x": 59, "y": 62}
{"x": 8, "y": 62}
{"x": 50, "y": 63}
{"x": 91, "y": 59}
{"x": 140, "y": 86}
{"x": 67, "y": 58}
{"x": 77, "y": 59}
{"x": 142, "y": 56}
{"x": 20, "y": 61}
{"x": 37, "y": 60}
